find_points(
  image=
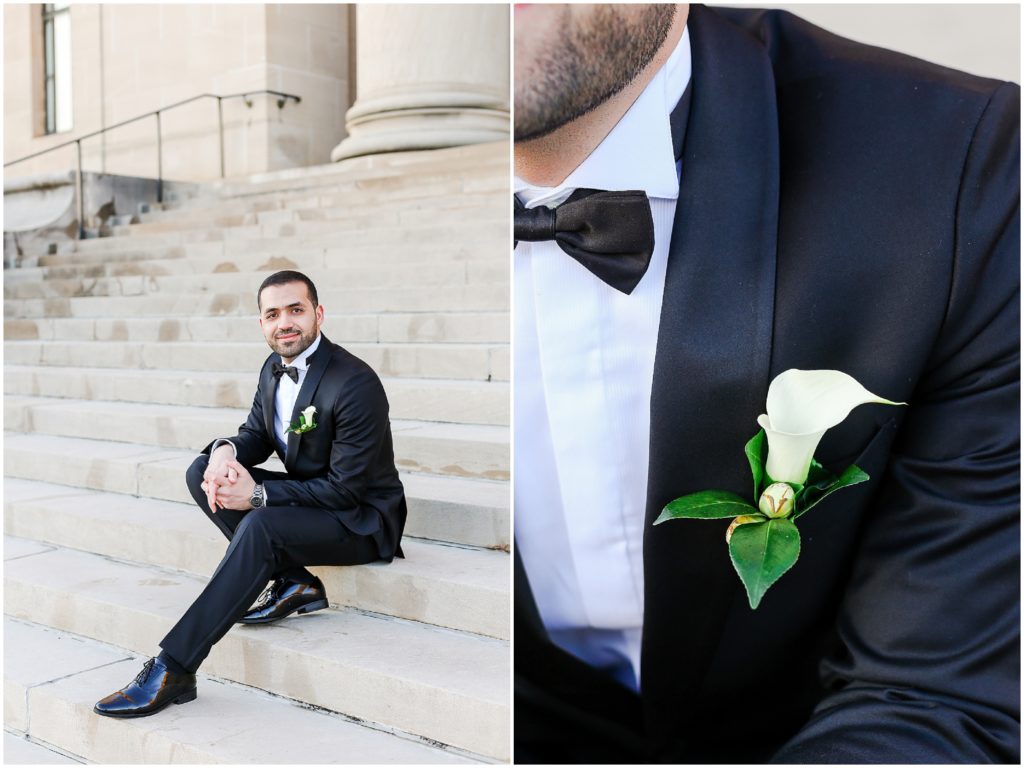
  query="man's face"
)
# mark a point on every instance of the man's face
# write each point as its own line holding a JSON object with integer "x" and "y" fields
{"x": 570, "y": 59}
{"x": 289, "y": 321}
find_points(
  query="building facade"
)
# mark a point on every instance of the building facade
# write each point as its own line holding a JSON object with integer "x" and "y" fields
{"x": 385, "y": 77}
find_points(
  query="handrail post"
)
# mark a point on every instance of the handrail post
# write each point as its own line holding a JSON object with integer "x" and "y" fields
{"x": 159, "y": 161}
{"x": 80, "y": 183}
{"x": 220, "y": 131}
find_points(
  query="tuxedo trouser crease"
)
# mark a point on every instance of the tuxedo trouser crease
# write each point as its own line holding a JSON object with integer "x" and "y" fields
{"x": 267, "y": 541}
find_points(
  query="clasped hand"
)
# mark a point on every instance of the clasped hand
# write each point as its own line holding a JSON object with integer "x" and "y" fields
{"x": 228, "y": 485}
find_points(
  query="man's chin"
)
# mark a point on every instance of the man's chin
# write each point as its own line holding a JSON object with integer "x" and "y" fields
{"x": 289, "y": 348}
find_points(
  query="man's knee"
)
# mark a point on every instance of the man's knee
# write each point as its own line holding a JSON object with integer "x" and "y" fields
{"x": 255, "y": 522}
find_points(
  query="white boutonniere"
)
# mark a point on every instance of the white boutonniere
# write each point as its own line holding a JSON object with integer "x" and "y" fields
{"x": 763, "y": 538}
{"x": 305, "y": 423}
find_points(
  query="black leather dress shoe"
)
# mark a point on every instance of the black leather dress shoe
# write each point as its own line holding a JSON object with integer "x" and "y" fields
{"x": 153, "y": 689}
{"x": 283, "y": 598}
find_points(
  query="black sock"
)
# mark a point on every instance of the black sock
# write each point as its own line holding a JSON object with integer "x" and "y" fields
{"x": 300, "y": 575}
{"x": 171, "y": 664}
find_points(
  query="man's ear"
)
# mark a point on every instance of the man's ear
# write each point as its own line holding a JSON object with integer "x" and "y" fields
{"x": 319, "y": 314}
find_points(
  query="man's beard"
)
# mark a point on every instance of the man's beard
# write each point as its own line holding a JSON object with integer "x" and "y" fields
{"x": 590, "y": 64}
{"x": 295, "y": 348}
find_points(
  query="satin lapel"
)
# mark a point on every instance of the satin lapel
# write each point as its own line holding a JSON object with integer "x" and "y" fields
{"x": 268, "y": 391}
{"x": 317, "y": 365}
{"x": 714, "y": 351}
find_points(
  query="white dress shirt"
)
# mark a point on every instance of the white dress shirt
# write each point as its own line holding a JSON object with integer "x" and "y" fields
{"x": 584, "y": 363}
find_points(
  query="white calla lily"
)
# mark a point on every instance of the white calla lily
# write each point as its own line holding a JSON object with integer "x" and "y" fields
{"x": 307, "y": 415}
{"x": 802, "y": 406}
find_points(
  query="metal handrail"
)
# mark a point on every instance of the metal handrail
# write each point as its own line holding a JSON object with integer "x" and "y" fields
{"x": 282, "y": 99}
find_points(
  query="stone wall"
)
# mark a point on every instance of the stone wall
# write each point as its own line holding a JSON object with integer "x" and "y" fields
{"x": 131, "y": 59}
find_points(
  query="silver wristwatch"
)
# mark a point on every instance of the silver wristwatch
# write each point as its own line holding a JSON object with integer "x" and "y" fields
{"x": 258, "y": 498}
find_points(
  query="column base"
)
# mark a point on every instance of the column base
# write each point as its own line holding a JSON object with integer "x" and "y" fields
{"x": 423, "y": 128}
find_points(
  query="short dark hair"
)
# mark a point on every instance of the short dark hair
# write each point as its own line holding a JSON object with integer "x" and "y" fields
{"x": 288, "y": 276}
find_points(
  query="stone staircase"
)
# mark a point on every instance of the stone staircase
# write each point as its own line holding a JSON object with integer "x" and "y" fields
{"x": 125, "y": 355}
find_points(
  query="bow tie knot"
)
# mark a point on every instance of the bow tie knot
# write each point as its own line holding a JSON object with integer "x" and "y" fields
{"x": 289, "y": 370}
{"x": 610, "y": 233}
{"x": 535, "y": 224}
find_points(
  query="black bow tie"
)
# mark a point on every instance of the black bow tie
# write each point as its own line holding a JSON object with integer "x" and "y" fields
{"x": 289, "y": 370}
{"x": 609, "y": 233}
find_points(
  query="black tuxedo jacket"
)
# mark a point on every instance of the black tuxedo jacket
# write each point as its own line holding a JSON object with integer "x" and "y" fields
{"x": 347, "y": 463}
{"x": 851, "y": 208}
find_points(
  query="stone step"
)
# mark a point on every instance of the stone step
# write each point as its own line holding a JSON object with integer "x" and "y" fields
{"x": 472, "y": 166}
{"x": 21, "y": 750}
{"x": 434, "y": 275}
{"x": 477, "y": 362}
{"x": 447, "y": 226}
{"x": 452, "y": 298}
{"x": 490, "y": 194}
{"x": 442, "y": 400}
{"x": 209, "y": 257}
{"x": 461, "y": 450}
{"x": 452, "y": 327}
{"x": 458, "y": 510}
{"x": 343, "y": 208}
{"x": 454, "y": 587}
{"x": 52, "y": 679}
{"x": 390, "y": 189}
{"x": 269, "y": 252}
{"x": 443, "y": 685}
{"x": 218, "y": 256}
{"x": 387, "y": 187}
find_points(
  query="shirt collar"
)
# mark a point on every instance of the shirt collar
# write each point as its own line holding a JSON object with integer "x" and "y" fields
{"x": 302, "y": 361}
{"x": 637, "y": 153}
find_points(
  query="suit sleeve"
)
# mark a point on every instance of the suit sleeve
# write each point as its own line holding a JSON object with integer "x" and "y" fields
{"x": 361, "y": 428}
{"x": 929, "y": 666}
{"x": 252, "y": 444}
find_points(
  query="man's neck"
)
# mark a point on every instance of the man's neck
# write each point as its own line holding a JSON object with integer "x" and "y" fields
{"x": 548, "y": 161}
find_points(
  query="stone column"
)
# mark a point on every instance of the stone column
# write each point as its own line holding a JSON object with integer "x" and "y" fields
{"x": 428, "y": 76}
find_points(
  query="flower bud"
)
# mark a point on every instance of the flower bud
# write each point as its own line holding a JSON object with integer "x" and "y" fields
{"x": 741, "y": 520}
{"x": 777, "y": 500}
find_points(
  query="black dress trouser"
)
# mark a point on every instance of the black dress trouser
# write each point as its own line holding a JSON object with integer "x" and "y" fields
{"x": 266, "y": 543}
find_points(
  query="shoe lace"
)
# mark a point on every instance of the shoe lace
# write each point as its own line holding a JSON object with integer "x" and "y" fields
{"x": 146, "y": 668}
{"x": 268, "y": 595}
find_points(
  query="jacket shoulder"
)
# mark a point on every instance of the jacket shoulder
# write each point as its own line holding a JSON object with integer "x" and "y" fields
{"x": 344, "y": 368}
{"x": 803, "y": 53}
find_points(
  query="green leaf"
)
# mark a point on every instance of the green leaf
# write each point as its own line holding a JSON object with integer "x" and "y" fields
{"x": 814, "y": 494}
{"x": 817, "y": 474}
{"x": 761, "y": 553}
{"x": 706, "y": 505}
{"x": 757, "y": 454}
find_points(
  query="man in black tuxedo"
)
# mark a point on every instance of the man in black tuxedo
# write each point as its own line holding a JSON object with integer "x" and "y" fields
{"x": 339, "y": 501}
{"x": 838, "y": 207}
